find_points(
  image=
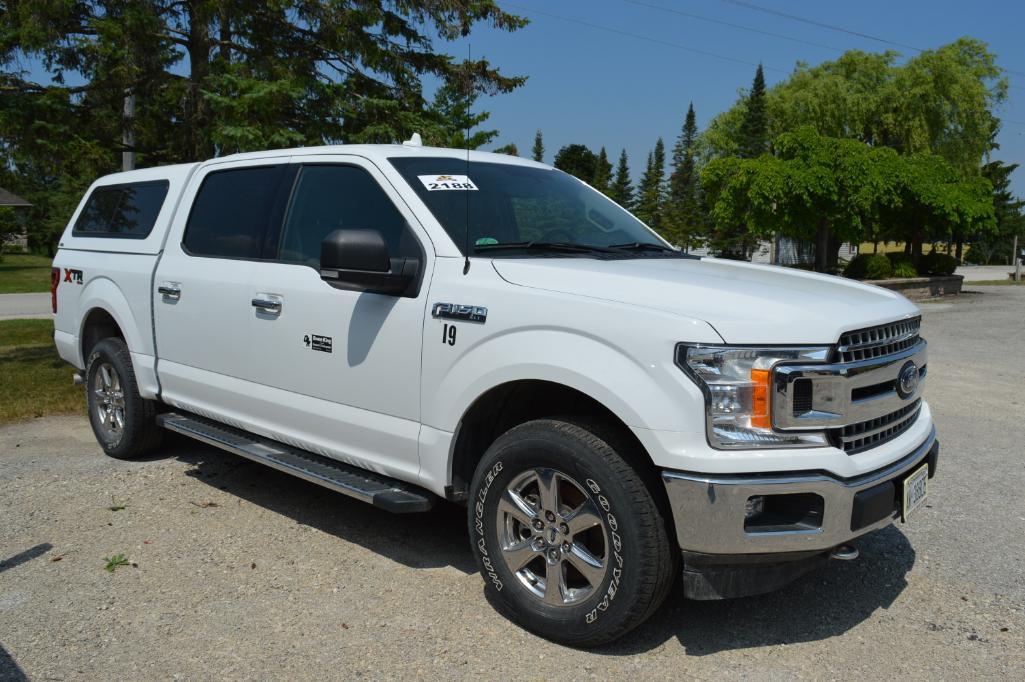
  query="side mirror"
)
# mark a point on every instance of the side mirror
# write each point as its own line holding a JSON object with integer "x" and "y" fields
{"x": 359, "y": 260}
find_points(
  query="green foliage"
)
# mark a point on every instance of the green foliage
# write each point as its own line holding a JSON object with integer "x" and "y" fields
{"x": 754, "y": 128}
{"x": 218, "y": 76}
{"x": 684, "y": 216}
{"x": 905, "y": 270}
{"x": 538, "y": 151}
{"x": 651, "y": 192}
{"x": 577, "y": 160}
{"x": 602, "y": 172}
{"x": 621, "y": 190}
{"x": 115, "y": 562}
{"x": 995, "y": 247}
{"x": 938, "y": 264}
{"x": 869, "y": 266}
{"x": 509, "y": 149}
{"x": 841, "y": 190}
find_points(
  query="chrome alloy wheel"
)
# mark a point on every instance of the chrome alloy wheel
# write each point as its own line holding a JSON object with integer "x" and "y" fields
{"x": 109, "y": 401}
{"x": 552, "y": 536}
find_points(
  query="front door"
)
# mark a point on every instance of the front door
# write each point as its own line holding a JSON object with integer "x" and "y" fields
{"x": 339, "y": 370}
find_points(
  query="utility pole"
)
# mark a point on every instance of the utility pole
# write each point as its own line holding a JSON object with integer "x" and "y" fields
{"x": 1016, "y": 259}
{"x": 128, "y": 133}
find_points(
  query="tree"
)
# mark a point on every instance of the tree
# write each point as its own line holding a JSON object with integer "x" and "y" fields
{"x": 651, "y": 191}
{"x": 509, "y": 149}
{"x": 538, "y": 153}
{"x": 578, "y": 160}
{"x": 453, "y": 103}
{"x": 683, "y": 208}
{"x": 602, "y": 172}
{"x": 218, "y": 76}
{"x": 754, "y": 129}
{"x": 621, "y": 191}
{"x": 832, "y": 190}
{"x": 1007, "y": 208}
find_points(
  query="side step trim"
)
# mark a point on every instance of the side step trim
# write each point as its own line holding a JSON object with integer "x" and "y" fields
{"x": 367, "y": 486}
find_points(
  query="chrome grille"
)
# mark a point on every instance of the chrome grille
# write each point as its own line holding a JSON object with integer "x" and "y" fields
{"x": 875, "y": 342}
{"x": 864, "y": 435}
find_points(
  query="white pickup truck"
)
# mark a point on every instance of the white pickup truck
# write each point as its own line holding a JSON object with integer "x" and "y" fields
{"x": 405, "y": 324}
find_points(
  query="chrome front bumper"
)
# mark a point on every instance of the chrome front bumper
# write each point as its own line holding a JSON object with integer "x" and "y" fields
{"x": 709, "y": 510}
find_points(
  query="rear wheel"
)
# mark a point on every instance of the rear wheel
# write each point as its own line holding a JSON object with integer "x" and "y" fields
{"x": 123, "y": 421}
{"x": 569, "y": 540}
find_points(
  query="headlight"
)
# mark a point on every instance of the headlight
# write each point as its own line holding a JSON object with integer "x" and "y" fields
{"x": 736, "y": 382}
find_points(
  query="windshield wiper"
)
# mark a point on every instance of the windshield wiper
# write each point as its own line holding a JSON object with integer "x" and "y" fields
{"x": 564, "y": 247}
{"x": 643, "y": 246}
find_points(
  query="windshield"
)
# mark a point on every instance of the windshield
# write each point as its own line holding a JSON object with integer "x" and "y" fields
{"x": 518, "y": 205}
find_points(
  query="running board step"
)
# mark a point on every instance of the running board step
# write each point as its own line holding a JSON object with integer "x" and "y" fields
{"x": 376, "y": 489}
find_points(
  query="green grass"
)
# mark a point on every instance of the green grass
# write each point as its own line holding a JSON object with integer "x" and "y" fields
{"x": 24, "y": 273}
{"x": 36, "y": 381}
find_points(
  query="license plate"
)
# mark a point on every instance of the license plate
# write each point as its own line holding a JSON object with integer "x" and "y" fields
{"x": 916, "y": 488}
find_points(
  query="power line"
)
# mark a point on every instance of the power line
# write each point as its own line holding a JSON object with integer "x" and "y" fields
{"x": 732, "y": 25}
{"x": 638, "y": 36}
{"x": 831, "y": 27}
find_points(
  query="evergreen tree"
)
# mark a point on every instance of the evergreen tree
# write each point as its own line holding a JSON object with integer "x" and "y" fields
{"x": 684, "y": 215}
{"x": 651, "y": 192}
{"x": 602, "y": 172}
{"x": 754, "y": 129}
{"x": 454, "y": 105}
{"x": 539, "y": 147}
{"x": 621, "y": 191}
{"x": 577, "y": 160}
{"x": 1010, "y": 221}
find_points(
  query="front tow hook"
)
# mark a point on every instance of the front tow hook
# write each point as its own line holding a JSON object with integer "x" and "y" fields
{"x": 844, "y": 553}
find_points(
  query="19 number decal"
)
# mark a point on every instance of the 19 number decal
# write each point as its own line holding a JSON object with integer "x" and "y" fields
{"x": 448, "y": 334}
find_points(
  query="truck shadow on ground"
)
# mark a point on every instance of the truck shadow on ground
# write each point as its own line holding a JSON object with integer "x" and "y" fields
{"x": 430, "y": 540}
{"x": 824, "y": 603}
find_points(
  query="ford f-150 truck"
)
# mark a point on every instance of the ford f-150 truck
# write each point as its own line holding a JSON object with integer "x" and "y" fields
{"x": 405, "y": 325}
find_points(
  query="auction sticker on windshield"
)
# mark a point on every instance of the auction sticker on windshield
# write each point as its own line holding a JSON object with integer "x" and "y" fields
{"x": 437, "y": 183}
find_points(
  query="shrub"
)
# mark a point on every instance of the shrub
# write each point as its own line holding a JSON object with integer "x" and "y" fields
{"x": 938, "y": 264}
{"x": 898, "y": 257}
{"x": 869, "y": 266}
{"x": 904, "y": 269}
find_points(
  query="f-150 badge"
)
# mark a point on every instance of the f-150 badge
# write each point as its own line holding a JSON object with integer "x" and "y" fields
{"x": 458, "y": 311}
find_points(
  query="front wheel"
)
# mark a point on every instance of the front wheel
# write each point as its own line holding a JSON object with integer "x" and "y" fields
{"x": 570, "y": 542}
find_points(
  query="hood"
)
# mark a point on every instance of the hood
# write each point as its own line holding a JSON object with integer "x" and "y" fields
{"x": 744, "y": 302}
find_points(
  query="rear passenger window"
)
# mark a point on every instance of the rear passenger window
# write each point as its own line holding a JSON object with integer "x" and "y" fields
{"x": 329, "y": 198}
{"x": 230, "y": 213}
{"x": 127, "y": 211}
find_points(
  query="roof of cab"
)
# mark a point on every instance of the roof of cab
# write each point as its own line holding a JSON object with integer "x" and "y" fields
{"x": 146, "y": 174}
{"x": 381, "y": 152}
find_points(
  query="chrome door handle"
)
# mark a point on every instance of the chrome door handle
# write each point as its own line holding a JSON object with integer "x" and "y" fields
{"x": 171, "y": 291}
{"x": 266, "y": 305}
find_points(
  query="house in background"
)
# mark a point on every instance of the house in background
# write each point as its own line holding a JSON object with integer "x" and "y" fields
{"x": 10, "y": 199}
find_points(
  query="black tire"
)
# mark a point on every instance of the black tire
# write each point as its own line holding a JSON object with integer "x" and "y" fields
{"x": 139, "y": 433}
{"x": 640, "y": 560}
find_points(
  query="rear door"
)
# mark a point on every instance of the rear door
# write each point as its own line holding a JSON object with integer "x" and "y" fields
{"x": 202, "y": 303}
{"x": 339, "y": 370}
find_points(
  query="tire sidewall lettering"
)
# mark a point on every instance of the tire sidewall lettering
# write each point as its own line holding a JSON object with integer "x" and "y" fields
{"x": 478, "y": 523}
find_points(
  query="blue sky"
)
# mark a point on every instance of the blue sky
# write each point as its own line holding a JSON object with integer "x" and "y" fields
{"x": 597, "y": 87}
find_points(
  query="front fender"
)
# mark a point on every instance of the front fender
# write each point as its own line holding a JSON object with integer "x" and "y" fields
{"x": 645, "y": 394}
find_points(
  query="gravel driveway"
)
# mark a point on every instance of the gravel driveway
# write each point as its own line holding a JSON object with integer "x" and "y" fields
{"x": 237, "y": 571}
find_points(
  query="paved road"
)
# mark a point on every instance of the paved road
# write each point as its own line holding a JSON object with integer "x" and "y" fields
{"x": 14, "y": 306}
{"x": 242, "y": 572}
{"x": 983, "y": 273}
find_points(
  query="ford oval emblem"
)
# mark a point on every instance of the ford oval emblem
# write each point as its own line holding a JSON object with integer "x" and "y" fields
{"x": 907, "y": 380}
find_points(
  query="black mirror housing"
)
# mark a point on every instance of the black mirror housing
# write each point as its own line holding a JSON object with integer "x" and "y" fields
{"x": 359, "y": 260}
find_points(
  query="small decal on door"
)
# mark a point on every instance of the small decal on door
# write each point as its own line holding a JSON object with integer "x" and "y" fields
{"x": 71, "y": 275}
{"x": 317, "y": 342}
